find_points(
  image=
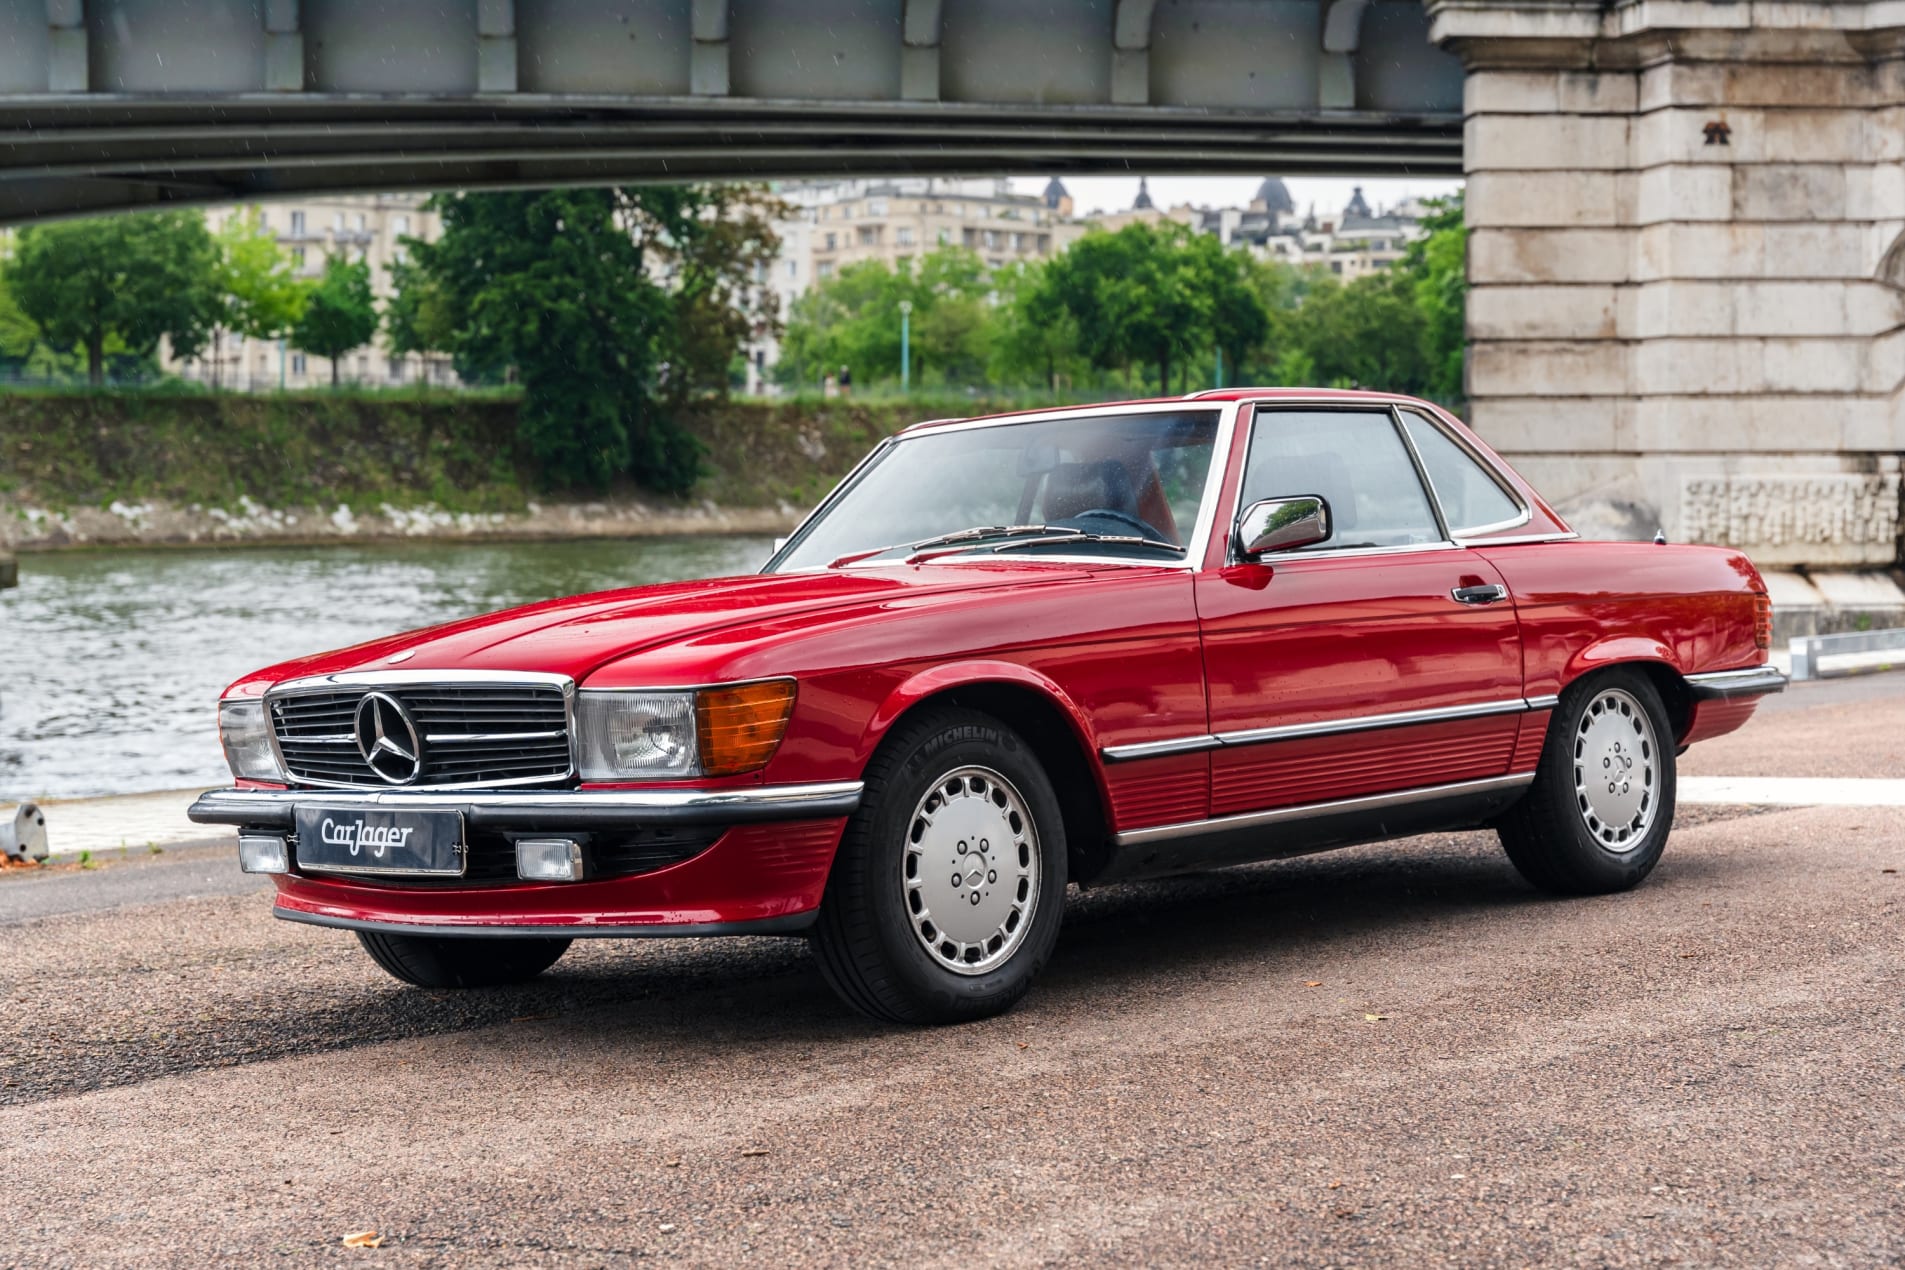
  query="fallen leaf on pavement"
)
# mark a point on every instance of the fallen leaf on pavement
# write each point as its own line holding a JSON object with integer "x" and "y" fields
{"x": 1312, "y": 983}
{"x": 363, "y": 1239}
{"x": 672, "y": 1164}
{"x": 1337, "y": 1183}
{"x": 755, "y": 1151}
{"x": 1024, "y": 1045}
{"x": 1375, "y": 1018}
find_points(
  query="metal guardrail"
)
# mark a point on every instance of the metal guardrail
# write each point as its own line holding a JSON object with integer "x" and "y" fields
{"x": 1808, "y": 649}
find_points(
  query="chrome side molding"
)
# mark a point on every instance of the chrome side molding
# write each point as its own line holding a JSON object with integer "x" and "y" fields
{"x": 1330, "y": 727}
{"x": 1708, "y": 685}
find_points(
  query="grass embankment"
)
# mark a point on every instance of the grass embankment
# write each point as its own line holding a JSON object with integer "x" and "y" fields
{"x": 454, "y": 450}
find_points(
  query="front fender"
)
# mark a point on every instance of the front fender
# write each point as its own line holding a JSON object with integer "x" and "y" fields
{"x": 937, "y": 679}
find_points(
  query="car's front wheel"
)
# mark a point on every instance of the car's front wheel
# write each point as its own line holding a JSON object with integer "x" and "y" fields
{"x": 461, "y": 961}
{"x": 949, "y": 885}
{"x": 1602, "y": 804}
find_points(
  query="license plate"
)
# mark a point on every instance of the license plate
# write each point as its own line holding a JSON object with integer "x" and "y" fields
{"x": 372, "y": 840}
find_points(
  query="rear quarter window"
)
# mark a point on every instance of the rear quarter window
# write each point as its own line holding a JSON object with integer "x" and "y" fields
{"x": 1471, "y": 497}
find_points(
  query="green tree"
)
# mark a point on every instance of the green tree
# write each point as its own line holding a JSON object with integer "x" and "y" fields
{"x": 555, "y": 284}
{"x": 713, "y": 244}
{"x": 1366, "y": 334}
{"x": 340, "y": 313}
{"x": 1034, "y": 338}
{"x": 258, "y": 294}
{"x": 1157, "y": 295}
{"x": 1239, "y": 320}
{"x": 130, "y": 279}
{"x": 853, "y": 320}
{"x": 1437, "y": 267}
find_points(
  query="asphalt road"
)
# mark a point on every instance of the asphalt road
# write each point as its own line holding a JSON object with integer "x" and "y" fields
{"x": 1391, "y": 1055}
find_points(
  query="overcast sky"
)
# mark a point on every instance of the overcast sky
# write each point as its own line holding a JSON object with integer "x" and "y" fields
{"x": 1114, "y": 193}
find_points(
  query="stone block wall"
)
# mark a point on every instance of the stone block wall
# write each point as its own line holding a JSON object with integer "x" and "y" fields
{"x": 1686, "y": 263}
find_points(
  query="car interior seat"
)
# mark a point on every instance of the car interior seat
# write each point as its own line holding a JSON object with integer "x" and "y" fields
{"x": 1075, "y": 488}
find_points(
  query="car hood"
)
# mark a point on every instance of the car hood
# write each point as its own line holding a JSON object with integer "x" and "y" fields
{"x": 578, "y": 635}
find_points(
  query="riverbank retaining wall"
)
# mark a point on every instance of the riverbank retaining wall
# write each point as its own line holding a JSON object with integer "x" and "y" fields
{"x": 102, "y": 469}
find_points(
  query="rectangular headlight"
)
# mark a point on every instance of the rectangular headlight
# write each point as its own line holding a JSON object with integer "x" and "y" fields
{"x": 630, "y": 735}
{"x": 720, "y": 731}
{"x": 246, "y": 736}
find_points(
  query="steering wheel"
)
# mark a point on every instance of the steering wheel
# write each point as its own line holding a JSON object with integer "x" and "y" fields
{"x": 1121, "y": 519}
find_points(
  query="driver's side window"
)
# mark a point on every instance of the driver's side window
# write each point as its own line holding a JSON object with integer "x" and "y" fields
{"x": 1355, "y": 461}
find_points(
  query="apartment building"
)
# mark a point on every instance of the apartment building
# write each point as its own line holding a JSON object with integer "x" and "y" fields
{"x": 1348, "y": 244}
{"x": 838, "y": 223}
{"x": 368, "y": 228}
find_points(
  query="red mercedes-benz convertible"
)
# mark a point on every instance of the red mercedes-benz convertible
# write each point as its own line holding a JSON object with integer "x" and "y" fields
{"x": 1007, "y": 654}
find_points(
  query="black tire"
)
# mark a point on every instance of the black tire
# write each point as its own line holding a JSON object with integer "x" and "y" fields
{"x": 1551, "y": 835}
{"x": 866, "y": 939}
{"x": 461, "y": 961}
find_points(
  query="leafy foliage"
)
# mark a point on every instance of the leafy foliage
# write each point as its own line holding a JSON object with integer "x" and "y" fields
{"x": 258, "y": 294}
{"x": 554, "y": 284}
{"x": 853, "y": 320}
{"x": 126, "y": 280}
{"x": 1147, "y": 308}
{"x": 714, "y": 244}
{"x": 1157, "y": 295}
{"x": 340, "y": 313}
{"x": 1438, "y": 267}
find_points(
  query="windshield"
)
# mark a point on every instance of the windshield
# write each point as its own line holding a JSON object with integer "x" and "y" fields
{"x": 1128, "y": 484}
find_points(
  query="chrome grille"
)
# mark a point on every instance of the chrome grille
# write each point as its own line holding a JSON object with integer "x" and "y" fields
{"x": 473, "y": 735}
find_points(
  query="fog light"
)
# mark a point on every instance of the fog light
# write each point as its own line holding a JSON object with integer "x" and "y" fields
{"x": 548, "y": 860}
{"x": 263, "y": 853}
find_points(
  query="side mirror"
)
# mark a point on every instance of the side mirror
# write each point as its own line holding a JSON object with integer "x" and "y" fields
{"x": 1282, "y": 524}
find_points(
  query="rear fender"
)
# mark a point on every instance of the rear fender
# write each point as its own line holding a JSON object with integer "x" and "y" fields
{"x": 1616, "y": 649}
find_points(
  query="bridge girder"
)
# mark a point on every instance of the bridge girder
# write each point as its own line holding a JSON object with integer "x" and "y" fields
{"x": 109, "y": 104}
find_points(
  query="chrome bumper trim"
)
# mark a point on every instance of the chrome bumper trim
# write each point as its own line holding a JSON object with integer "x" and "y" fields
{"x": 1750, "y": 681}
{"x": 1313, "y": 811}
{"x": 793, "y": 924}
{"x": 545, "y": 810}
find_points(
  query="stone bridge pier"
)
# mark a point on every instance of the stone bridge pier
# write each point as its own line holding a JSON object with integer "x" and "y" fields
{"x": 1688, "y": 276}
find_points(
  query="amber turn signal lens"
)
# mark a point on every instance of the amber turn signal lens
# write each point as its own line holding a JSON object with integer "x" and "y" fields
{"x": 1762, "y": 621}
{"x": 739, "y": 727}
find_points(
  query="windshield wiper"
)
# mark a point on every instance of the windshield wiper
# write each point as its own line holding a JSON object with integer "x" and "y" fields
{"x": 978, "y": 533}
{"x": 1079, "y": 535}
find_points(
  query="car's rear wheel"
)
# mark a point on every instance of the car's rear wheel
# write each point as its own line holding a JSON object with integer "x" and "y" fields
{"x": 1598, "y": 814}
{"x": 461, "y": 961}
{"x": 946, "y": 894}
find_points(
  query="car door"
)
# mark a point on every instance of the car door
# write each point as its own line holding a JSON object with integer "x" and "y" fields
{"x": 1384, "y": 658}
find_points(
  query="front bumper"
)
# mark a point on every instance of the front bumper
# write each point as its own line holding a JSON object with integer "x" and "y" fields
{"x": 544, "y": 811}
{"x": 764, "y": 873}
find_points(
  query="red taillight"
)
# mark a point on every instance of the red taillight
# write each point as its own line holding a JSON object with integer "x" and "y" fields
{"x": 1762, "y": 621}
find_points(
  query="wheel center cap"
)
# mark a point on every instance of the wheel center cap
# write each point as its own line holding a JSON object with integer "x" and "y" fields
{"x": 968, "y": 894}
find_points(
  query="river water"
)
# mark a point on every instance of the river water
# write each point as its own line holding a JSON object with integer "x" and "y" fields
{"x": 111, "y": 661}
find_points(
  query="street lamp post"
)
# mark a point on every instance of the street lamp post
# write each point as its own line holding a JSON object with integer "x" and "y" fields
{"x": 906, "y": 345}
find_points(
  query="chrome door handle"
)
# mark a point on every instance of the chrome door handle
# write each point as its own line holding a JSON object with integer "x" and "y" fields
{"x": 1488, "y": 594}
